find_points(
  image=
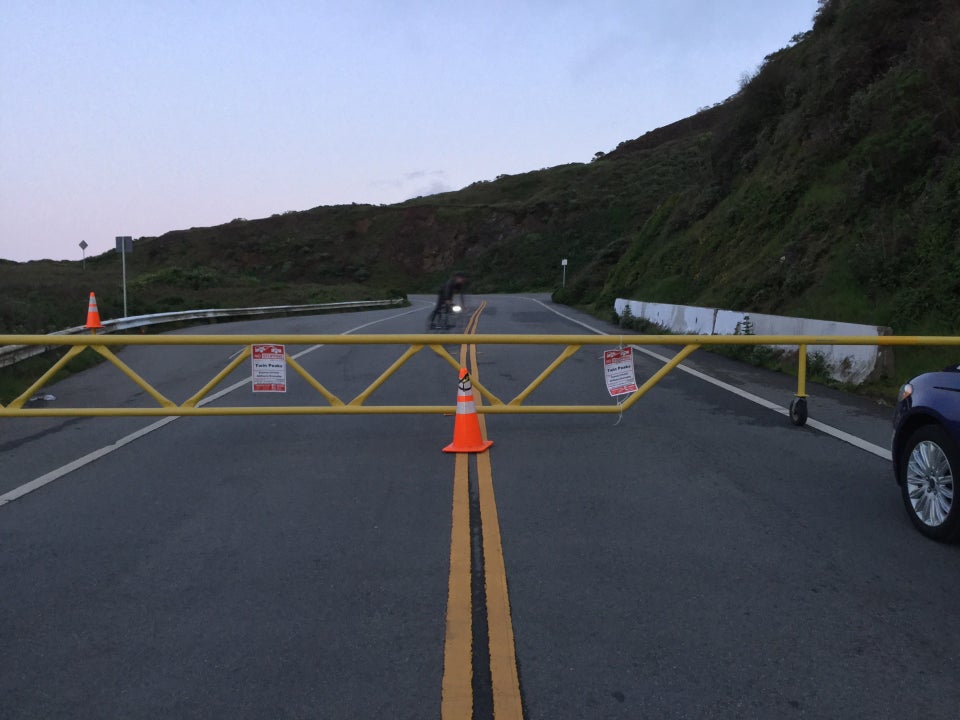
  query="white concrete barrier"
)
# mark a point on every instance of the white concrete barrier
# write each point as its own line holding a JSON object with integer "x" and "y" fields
{"x": 847, "y": 363}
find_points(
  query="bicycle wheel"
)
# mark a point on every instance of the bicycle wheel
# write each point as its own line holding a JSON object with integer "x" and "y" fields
{"x": 438, "y": 320}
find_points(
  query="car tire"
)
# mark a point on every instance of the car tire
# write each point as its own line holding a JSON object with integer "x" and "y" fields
{"x": 929, "y": 466}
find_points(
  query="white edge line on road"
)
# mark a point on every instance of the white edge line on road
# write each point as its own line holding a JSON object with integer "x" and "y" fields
{"x": 80, "y": 462}
{"x": 815, "y": 424}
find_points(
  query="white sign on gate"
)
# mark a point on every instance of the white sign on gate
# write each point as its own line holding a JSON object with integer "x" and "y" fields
{"x": 269, "y": 368}
{"x": 618, "y": 371}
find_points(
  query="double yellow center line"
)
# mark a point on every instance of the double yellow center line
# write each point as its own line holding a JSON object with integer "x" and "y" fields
{"x": 458, "y": 670}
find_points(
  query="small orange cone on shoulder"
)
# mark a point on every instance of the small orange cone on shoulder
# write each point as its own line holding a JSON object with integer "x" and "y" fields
{"x": 466, "y": 427}
{"x": 93, "y": 315}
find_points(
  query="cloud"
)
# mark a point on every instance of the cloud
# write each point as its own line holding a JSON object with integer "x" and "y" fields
{"x": 416, "y": 183}
{"x": 437, "y": 186}
{"x": 418, "y": 174}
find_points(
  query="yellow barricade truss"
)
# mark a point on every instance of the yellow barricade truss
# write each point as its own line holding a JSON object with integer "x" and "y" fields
{"x": 197, "y": 404}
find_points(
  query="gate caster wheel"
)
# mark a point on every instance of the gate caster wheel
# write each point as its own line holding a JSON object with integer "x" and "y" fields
{"x": 798, "y": 411}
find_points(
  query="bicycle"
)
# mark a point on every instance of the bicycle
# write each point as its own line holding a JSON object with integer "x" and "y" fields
{"x": 445, "y": 319}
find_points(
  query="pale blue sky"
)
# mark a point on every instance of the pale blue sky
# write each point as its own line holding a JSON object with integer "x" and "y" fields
{"x": 136, "y": 118}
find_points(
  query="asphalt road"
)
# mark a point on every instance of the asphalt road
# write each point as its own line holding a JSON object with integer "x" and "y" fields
{"x": 699, "y": 557}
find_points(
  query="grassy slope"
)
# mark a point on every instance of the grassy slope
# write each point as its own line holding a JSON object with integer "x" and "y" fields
{"x": 834, "y": 186}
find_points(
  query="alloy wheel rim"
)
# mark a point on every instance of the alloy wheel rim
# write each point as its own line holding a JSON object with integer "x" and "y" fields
{"x": 930, "y": 483}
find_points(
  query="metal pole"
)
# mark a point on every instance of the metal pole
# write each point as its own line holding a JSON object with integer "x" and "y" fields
{"x": 123, "y": 255}
{"x": 801, "y": 371}
{"x": 124, "y": 245}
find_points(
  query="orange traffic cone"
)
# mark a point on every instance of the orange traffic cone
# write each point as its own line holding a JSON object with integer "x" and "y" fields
{"x": 466, "y": 426}
{"x": 93, "y": 315}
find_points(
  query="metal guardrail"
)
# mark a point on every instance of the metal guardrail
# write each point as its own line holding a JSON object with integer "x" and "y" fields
{"x": 195, "y": 405}
{"x": 11, "y": 354}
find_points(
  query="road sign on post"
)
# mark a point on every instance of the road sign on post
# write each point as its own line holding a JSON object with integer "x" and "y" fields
{"x": 564, "y": 264}
{"x": 124, "y": 246}
{"x": 83, "y": 249}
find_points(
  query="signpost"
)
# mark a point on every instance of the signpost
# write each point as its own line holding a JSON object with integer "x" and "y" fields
{"x": 564, "y": 264}
{"x": 83, "y": 249}
{"x": 124, "y": 246}
{"x": 269, "y": 368}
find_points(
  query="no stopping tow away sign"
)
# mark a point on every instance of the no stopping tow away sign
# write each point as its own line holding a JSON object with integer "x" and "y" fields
{"x": 269, "y": 368}
{"x": 618, "y": 371}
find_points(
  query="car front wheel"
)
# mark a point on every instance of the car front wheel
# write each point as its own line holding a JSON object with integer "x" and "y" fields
{"x": 928, "y": 466}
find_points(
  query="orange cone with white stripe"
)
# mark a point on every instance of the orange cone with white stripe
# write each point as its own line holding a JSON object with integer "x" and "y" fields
{"x": 93, "y": 315}
{"x": 466, "y": 427}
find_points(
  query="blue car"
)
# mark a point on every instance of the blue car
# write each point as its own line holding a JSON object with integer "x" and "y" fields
{"x": 926, "y": 452}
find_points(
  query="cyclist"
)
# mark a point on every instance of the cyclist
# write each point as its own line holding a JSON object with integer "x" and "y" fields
{"x": 454, "y": 286}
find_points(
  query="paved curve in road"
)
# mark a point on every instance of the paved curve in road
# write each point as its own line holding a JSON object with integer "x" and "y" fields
{"x": 700, "y": 558}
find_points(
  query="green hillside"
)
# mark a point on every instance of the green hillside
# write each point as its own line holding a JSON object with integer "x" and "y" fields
{"x": 828, "y": 187}
{"x": 830, "y": 184}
